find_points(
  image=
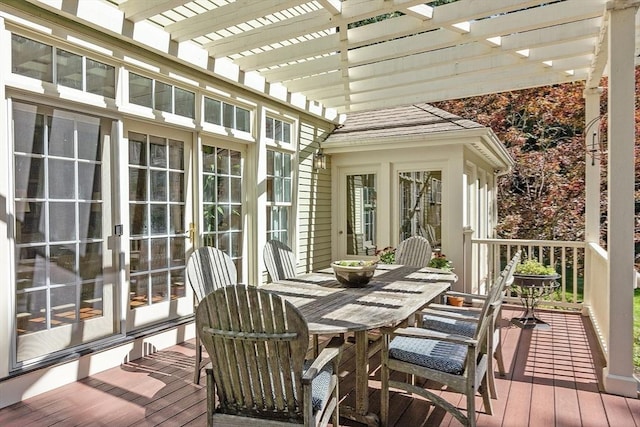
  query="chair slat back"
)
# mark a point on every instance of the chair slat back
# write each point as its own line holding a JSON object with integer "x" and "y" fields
{"x": 414, "y": 251}
{"x": 279, "y": 260}
{"x": 257, "y": 344}
{"x": 495, "y": 295}
{"x": 208, "y": 269}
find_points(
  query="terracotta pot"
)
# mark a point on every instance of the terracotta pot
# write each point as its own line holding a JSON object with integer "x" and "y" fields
{"x": 457, "y": 301}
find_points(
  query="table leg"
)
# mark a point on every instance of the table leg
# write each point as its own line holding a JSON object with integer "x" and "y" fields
{"x": 361, "y": 412}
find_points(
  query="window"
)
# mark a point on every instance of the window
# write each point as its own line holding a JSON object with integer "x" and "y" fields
{"x": 279, "y": 185}
{"x": 421, "y": 205}
{"x": 31, "y": 58}
{"x": 161, "y": 96}
{"x": 227, "y": 115}
{"x": 34, "y": 59}
{"x": 278, "y": 130}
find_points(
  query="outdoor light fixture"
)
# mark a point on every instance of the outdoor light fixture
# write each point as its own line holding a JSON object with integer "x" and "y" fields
{"x": 594, "y": 148}
{"x": 319, "y": 159}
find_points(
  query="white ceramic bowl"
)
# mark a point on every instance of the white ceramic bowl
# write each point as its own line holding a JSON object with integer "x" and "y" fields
{"x": 353, "y": 273}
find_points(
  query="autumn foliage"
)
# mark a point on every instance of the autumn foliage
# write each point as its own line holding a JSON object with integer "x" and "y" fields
{"x": 544, "y": 196}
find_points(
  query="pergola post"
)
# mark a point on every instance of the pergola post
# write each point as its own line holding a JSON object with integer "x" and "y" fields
{"x": 618, "y": 375}
{"x": 592, "y": 164}
{"x": 592, "y": 181}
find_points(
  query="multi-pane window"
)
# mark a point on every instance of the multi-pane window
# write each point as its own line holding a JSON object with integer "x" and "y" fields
{"x": 278, "y": 130}
{"x": 420, "y": 205}
{"x": 156, "y": 219}
{"x": 227, "y": 115}
{"x": 161, "y": 96}
{"x": 59, "y": 240}
{"x": 38, "y": 60}
{"x": 222, "y": 202}
{"x": 279, "y": 184}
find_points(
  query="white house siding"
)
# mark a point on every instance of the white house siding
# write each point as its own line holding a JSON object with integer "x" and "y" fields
{"x": 314, "y": 202}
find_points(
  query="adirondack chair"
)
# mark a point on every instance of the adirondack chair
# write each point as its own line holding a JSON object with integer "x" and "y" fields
{"x": 414, "y": 251}
{"x": 257, "y": 344}
{"x": 458, "y": 362}
{"x": 279, "y": 260}
{"x": 463, "y": 320}
{"x": 208, "y": 269}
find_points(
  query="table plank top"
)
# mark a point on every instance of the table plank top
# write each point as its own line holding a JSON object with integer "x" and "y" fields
{"x": 393, "y": 294}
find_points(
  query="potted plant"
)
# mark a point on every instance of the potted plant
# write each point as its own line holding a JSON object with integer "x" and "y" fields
{"x": 532, "y": 281}
{"x": 534, "y": 273}
{"x": 386, "y": 255}
{"x": 441, "y": 262}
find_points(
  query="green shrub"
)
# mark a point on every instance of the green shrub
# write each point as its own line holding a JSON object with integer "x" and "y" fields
{"x": 534, "y": 268}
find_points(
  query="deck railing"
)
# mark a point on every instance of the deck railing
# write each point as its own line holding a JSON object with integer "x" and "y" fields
{"x": 489, "y": 256}
{"x": 584, "y": 282}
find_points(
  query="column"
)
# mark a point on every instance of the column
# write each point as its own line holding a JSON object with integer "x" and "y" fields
{"x": 618, "y": 375}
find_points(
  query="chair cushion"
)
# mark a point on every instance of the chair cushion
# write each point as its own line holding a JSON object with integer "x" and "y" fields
{"x": 320, "y": 386}
{"x": 448, "y": 325}
{"x": 433, "y": 354}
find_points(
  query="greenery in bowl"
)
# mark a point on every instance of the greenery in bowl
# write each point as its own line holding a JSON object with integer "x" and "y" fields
{"x": 354, "y": 273}
{"x": 441, "y": 262}
{"x": 357, "y": 263}
{"x": 531, "y": 267}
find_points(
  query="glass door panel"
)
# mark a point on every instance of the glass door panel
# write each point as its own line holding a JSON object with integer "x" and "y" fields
{"x": 361, "y": 214}
{"x": 420, "y": 195}
{"x": 157, "y": 221}
{"x": 61, "y": 172}
{"x": 222, "y": 202}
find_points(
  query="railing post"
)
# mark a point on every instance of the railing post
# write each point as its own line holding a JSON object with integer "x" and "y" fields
{"x": 468, "y": 261}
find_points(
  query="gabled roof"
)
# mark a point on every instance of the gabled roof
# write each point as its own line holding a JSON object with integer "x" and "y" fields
{"x": 398, "y": 122}
{"x": 413, "y": 126}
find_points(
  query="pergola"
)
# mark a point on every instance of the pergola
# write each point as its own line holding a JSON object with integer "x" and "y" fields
{"x": 310, "y": 55}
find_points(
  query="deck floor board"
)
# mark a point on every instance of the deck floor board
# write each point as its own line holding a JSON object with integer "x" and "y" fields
{"x": 552, "y": 378}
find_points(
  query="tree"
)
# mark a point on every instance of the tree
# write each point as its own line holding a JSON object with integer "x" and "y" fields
{"x": 543, "y": 129}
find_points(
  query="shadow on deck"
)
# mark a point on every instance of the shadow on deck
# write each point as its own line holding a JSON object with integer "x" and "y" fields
{"x": 552, "y": 379}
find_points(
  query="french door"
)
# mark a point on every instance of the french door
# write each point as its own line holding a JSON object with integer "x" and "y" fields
{"x": 65, "y": 291}
{"x": 159, "y": 209}
{"x": 221, "y": 200}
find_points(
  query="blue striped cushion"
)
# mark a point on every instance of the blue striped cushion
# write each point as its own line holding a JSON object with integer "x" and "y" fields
{"x": 440, "y": 355}
{"x": 320, "y": 390}
{"x": 448, "y": 325}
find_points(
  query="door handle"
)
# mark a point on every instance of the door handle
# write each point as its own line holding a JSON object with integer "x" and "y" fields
{"x": 192, "y": 232}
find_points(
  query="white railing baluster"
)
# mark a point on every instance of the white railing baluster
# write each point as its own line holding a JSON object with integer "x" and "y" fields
{"x": 556, "y": 253}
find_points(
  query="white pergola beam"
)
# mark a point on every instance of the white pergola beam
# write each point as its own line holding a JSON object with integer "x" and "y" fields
{"x": 297, "y": 26}
{"x": 317, "y": 66}
{"x": 467, "y": 90}
{"x": 334, "y": 7}
{"x": 503, "y": 75}
{"x": 403, "y": 48}
{"x": 359, "y": 10}
{"x": 226, "y": 16}
{"x": 290, "y": 54}
{"x": 136, "y": 10}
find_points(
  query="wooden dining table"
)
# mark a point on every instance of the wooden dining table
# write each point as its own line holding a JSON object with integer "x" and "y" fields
{"x": 392, "y": 296}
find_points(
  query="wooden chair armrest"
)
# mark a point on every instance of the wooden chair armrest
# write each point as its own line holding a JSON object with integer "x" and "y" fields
{"x": 449, "y": 315}
{"x": 414, "y": 332}
{"x": 444, "y": 307}
{"x": 331, "y": 352}
{"x": 465, "y": 295}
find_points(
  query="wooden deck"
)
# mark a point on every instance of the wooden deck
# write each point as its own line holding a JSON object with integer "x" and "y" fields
{"x": 552, "y": 380}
